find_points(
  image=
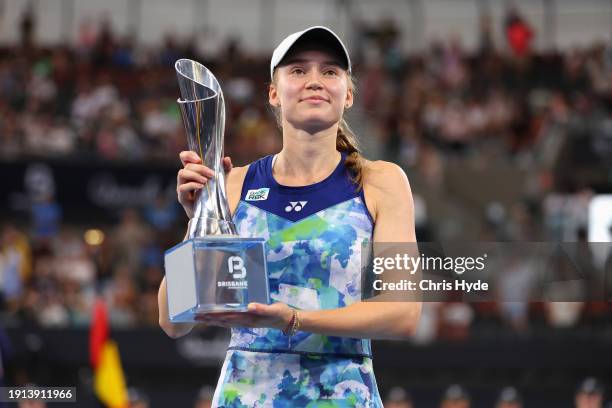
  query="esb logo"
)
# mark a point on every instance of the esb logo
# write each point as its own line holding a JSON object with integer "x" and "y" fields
{"x": 257, "y": 195}
{"x": 235, "y": 265}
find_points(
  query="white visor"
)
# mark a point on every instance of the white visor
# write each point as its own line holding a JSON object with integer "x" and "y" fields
{"x": 321, "y": 33}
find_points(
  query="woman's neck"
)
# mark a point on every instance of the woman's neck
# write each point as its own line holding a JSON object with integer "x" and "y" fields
{"x": 306, "y": 158}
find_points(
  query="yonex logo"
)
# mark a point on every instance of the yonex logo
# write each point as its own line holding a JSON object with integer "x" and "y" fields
{"x": 257, "y": 195}
{"x": 295, "y": 206}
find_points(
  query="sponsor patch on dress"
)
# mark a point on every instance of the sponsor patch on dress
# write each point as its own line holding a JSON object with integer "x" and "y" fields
{"x": 258, "y": 194}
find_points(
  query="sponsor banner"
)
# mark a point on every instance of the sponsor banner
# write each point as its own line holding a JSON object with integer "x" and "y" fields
{"x": 84, "y": 191}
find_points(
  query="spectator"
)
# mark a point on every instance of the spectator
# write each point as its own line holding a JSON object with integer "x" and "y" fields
{"x": 205, "y": 397}
{"x": 15, "y": 265}
{"x": 589, "y": 394}
{"x": 129, "y": 237}
{"x": 398, "y": 398}
{"x": 518, "y": 33}
{"x": 509, "y": 398}
{"x": 455, "y": 396}
{"x": 137, "y": 398}
{"x": 46, "y": 218}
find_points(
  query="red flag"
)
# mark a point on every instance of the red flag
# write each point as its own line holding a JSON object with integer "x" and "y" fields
{"x": 98, "y": 333}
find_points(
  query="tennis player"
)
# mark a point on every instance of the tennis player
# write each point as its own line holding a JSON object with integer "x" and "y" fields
{"x": 315, "y": 202}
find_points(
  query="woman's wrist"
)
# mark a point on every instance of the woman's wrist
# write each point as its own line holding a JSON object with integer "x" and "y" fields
{"x": 293, "y": 324}
{"x": 289, "y": 318}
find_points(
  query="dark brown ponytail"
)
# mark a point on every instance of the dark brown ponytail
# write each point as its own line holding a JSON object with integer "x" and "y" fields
{"x": 347, "y": 142}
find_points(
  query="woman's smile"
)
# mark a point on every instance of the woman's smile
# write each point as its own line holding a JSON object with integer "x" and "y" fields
{"x": 316, "y": 100}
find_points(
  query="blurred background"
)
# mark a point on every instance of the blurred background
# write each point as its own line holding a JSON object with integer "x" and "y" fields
{"x": 498, "y": 111}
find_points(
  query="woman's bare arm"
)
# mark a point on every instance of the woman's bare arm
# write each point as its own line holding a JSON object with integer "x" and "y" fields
{"x": 389, "y": 189}
{"x": 174, "y": 330}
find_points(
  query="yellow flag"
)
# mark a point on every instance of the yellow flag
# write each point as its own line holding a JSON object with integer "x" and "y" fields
{"x": 109, "y": 382}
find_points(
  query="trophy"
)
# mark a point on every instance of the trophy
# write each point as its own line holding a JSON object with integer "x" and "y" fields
{"x": 213, "y": 270}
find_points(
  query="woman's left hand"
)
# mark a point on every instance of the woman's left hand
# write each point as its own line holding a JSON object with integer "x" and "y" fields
{"x": 275, "y": 316}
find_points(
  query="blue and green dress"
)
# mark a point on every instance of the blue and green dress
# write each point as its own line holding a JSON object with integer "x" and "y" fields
{"x": 314, "y": 239}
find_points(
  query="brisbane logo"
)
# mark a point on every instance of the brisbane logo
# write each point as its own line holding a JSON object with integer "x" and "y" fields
{"x": 238, "y": 272}
{"x": 235, "y": 264}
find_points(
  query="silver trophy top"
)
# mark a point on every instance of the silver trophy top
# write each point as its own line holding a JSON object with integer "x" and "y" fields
{"x": 196, "y": 82}
{"x": 203, "y": 111}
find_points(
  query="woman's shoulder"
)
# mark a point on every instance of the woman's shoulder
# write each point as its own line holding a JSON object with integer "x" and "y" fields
{"x": 383, "y": 183}
{"x": 383, "y": 175}
{"x": 387, "y": 191}
{"x": 234, "y": 180}
{"x": 237, "y": 175}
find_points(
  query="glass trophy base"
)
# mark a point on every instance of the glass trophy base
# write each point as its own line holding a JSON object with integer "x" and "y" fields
{"x": 215, "y": 274}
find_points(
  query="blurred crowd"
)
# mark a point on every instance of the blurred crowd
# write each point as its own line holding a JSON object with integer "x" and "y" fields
{"x": 110, "y": 98}
{"x": 107, "y": 98}
{"x": 54, "y": 281}
{"x": 589, "y": 394}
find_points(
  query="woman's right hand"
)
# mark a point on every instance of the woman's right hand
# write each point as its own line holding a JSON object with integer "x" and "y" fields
{"x": 192, "y": 177}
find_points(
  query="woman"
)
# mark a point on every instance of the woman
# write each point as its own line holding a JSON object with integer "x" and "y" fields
{"x": 318, "y": 200}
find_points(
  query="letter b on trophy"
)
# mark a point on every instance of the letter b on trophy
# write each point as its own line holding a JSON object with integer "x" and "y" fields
{"x": 214, "y": 270}
{"x": 235, "y": 264}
